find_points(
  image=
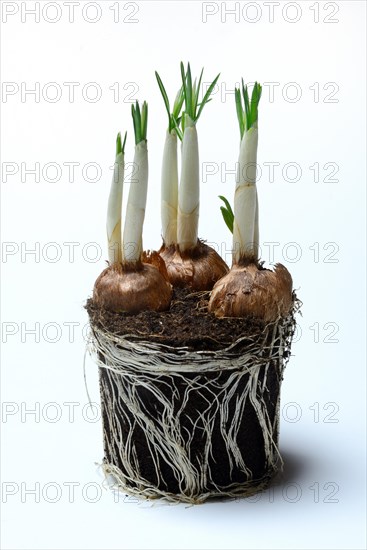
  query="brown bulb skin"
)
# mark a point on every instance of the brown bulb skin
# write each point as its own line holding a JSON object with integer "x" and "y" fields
{"x": 250, "y": 291}
{"x": 132, "y": 289}
{"x": 197, "y": 269}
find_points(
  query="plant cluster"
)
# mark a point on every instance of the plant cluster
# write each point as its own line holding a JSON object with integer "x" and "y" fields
{"x": 135, "y": 280}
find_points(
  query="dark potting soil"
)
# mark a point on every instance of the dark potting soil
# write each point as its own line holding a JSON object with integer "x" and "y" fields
{"x": 187, "y": 323}
{"x": 192, "y": 413}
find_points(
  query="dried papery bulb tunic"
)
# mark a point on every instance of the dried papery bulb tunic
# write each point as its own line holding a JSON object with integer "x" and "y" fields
{"x": 252, "y": 291}
{"x": 198, "y": 268}
{"x": 132, "y": 288}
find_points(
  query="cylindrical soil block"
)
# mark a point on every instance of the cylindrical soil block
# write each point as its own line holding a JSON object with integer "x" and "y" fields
{"x": 188, "y": 425}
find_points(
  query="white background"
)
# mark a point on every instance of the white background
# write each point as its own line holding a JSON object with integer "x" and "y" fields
{"x": 318, "y": 228}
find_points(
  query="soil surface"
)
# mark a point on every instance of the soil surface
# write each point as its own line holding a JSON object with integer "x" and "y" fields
{"x": 187, "y": 323}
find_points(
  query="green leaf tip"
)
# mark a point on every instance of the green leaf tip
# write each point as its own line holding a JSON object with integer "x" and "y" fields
{"x": 247, "y": 111}
{"x": 194, "y": 107}
{"x": 120, "y": 146}
{"x": 227, "y": 213}
{"x": 177, "y": 106}
{"x": 140, "y": 121}
{"x": 124, "y": 143}
{"x": 188, "y": 94}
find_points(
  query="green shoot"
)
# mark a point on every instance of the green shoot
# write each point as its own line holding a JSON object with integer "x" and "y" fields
{"x": 193, "y": 107}
{"x": 140, "y": 119}
{"x": 174, "y": 117}
{"x": 176, "y": 122}
{"x": 247, "y": 112}
{"x": 120, "y": 147}
{"x": 177, "y": 106}
{"x": 227, "y": 213}
{"x": 255, "y": 99}
{"x": 239, "y": 110}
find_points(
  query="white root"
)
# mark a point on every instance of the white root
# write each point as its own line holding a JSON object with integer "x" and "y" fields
{"x": 169, "y": 190}
{"x": 189, "y": 190}
{"x": 245, "y": 227}
{"x": 114, "y": 211}
{"x": 135, "y": 211}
